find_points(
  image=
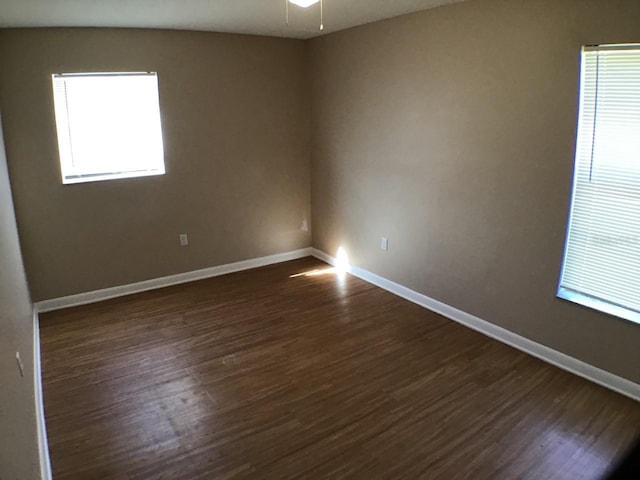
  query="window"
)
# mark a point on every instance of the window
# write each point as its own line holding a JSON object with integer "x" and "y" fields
{"x": 602, "y": 255}
{"x": 108, "y": 126}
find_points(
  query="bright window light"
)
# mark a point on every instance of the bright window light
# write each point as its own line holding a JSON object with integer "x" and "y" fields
{"x": 601, "y": 266}
{"x": 108, "y": 126}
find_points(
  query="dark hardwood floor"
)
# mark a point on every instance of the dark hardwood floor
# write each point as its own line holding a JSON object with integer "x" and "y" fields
{"x": 264, "y": 374}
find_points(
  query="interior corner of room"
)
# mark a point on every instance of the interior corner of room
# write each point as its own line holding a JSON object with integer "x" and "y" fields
{"x": 431, "y": 154}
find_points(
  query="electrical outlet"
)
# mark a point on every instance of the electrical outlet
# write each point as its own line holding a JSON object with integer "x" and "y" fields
{"x": 20, "y": 366}
{"x": 184, "y": 239}
{"x": 384, "y": 243}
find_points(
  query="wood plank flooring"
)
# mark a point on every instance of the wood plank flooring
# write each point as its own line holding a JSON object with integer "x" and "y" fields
{"x": 270, "y": 374}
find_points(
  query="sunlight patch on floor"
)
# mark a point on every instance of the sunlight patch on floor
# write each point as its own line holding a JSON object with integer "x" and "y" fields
{"x": 341, "y": 268}
{"x": 315, "y": 273}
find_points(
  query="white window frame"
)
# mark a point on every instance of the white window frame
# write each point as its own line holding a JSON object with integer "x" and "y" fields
{"x": 70, "y": 174}
{"x": 571, "y": 293}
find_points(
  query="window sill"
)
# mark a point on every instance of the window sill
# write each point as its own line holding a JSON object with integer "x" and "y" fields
{"x": 600, "y": 305}
{"x": 110, "y": 176}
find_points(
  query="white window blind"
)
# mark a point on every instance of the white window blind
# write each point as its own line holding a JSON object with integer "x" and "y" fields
{"x": 602, "y": 257}
{"x": 108, "y": 126}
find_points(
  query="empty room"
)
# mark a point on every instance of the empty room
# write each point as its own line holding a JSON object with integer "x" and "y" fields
{"x": 319, "y": 239}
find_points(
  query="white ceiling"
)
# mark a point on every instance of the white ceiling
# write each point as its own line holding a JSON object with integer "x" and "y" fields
{"x": 256, "y": 17}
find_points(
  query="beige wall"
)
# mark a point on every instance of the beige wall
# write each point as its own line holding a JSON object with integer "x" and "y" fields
{"x": 18, "y": 434}
{"x": 452, "y": 132}
{"x": 235, "y": 123}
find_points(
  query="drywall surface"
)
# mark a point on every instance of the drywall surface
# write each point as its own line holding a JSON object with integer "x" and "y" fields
{"x": 236, "y": 138}
{"x": 452, "y": 132}
{"x": 19, "y": 454}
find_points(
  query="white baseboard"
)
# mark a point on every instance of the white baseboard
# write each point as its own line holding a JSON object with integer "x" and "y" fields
{"x": 43, "y": 444}
{"x": 119, "y": 291}
{"x": 597, "y": 375}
